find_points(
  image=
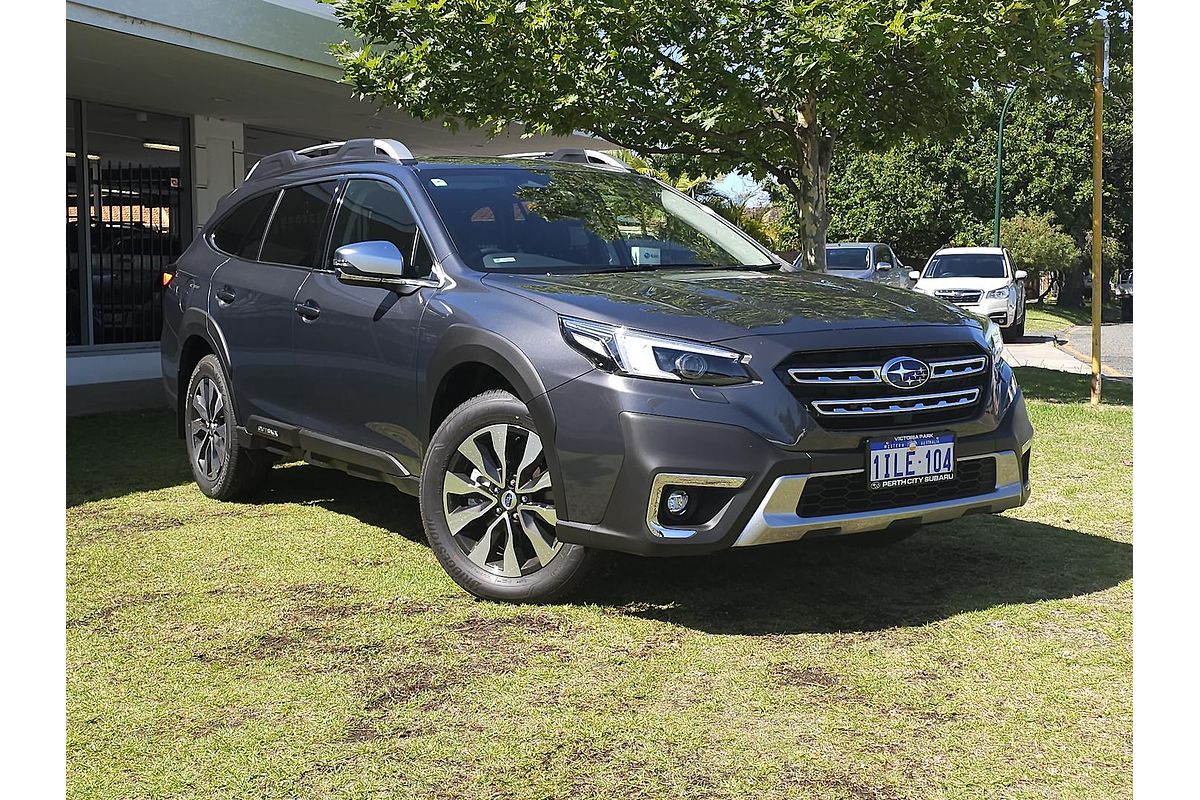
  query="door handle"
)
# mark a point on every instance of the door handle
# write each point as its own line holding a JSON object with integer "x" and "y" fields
{"x": 308, "y": 310}
{"x": 226, "y": 295}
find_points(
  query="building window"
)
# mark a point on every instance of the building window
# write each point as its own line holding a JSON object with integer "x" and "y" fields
{"x": 129, "y": 208}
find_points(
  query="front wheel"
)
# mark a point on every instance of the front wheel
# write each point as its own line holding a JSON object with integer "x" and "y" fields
{"x": 1015, "y": 331}
{"x": 487, "y": 504}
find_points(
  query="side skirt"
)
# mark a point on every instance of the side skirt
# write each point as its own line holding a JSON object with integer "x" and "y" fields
{"x": 291, "y": 442}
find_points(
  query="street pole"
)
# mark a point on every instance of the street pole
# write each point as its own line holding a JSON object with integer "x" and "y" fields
{"x": 999, "y": 165}
{"x": 1101, "y": 35}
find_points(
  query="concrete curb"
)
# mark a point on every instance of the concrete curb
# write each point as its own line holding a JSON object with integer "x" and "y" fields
{"x": 1065, "y": 346}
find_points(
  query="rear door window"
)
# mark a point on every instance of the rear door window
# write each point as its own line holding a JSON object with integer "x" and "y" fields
{"x": 241, "y": 232}
{"x": 295, "y": 234}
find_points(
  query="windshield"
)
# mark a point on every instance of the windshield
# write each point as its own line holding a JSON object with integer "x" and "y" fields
{"x": 965, "y": 265}
{"x": 556, "y": 219}
{"x": 846, "y": 258}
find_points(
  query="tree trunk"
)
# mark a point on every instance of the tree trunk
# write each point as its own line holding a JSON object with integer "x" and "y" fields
{"x": 809, "y": 189}
{"x": 1070, "y": 290}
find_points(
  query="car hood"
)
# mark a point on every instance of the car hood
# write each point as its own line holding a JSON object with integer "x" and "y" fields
{"x": 981, "y": 284}
{"x": 711, "y": 305}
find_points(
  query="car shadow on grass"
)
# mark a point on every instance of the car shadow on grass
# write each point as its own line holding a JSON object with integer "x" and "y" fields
{"x": 839, "y": 586}
{"x": 371, "y": 502}
{"x": 821, "y": 587}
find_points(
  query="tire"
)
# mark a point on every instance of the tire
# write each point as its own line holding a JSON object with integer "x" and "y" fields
{"x": 221, "y": 467}
{"x": 1014, "y": 331}
{"x": 496, "y": 541}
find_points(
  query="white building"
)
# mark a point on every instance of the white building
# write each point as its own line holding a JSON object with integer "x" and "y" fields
{"x": 172, "y": 101}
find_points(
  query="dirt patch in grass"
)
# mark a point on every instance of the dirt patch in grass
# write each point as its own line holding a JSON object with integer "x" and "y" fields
{"x": 798, "y": 675}
{"x": 236, "y": 718}
{"x": 106, "y": 612}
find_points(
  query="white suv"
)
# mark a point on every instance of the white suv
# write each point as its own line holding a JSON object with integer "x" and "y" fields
{"x": 979, "y": 279}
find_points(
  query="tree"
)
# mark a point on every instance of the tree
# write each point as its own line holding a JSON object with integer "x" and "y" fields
{"x": 1038, "y": 246}
{"x": 766, "y": 88}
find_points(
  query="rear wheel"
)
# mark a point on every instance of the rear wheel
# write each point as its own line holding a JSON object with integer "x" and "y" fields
{"x": 222, "y": 468}
{"x": 487, "y": 504}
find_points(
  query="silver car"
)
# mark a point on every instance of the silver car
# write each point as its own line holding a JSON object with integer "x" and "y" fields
{"x": 868, "y": 261}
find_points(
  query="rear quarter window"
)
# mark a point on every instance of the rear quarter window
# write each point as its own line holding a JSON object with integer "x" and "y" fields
{"x": 241, "y": 231}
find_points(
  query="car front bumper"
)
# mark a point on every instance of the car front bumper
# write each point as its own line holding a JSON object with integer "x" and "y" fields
{"x": 1001, "y": 310}
{"x": 612, "y": 481}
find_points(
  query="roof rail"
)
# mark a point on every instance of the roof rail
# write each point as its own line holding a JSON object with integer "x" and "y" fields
{"x": 575, "y": 155}
{"x": 388, "y": 150}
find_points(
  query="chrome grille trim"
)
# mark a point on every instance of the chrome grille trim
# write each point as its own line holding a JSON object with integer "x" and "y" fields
{"x": 965, "y": 296}
{"x": 829, "y": 375}
{"x": 846, "y": 376}
{"x": 896, "y": 405}
{"x": 957, "y": 368}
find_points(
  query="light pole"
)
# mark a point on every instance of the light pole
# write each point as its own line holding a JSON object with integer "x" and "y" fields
{"x": 999, "y": 165}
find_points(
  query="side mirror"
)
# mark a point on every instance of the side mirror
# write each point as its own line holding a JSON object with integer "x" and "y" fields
{"x": 883, "y": 265}
{"x": 1022, "y": 274}
{"x": 369, "y": 263}
{"x": 914, "y": 275}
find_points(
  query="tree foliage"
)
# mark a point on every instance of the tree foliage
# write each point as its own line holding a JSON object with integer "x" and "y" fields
{"x": 1038, "y": 246}
{"x": 765, "y": 88}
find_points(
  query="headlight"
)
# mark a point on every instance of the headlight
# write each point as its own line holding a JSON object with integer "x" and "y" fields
{"x": 994, "y": 339}
{"x": 996, "y": 294}
{"x": 646, "y": 355}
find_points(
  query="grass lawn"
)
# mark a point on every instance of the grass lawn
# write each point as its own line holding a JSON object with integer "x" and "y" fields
{"x": 308, "y": 645}
{"x": 1049, "y": 317}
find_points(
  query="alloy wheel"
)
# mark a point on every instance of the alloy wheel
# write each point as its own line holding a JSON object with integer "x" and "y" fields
{"x": 208, "y": 426}
{"x": 499, "y": 501}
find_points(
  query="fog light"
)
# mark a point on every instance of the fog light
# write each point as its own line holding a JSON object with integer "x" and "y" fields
{"x": 677, "y": 501}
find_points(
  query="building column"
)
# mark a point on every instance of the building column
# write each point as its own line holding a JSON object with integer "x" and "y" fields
{"x": 217, "y": 146}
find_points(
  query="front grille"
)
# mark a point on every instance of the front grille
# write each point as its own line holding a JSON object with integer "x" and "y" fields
{"x": 844, "y": 389}
{"x": 968, "y": 297}
{"x": 828, "y": 495}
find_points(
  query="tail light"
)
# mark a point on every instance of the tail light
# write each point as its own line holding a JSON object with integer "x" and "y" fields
{"x": 168, "y": 276}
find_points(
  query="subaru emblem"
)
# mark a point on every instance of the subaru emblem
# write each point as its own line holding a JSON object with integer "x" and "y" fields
{"x": 905, "y": 372}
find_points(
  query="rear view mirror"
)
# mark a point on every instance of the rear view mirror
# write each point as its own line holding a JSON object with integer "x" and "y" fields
{"x": 377, "y": 259}
{"x": 1022, "y": 274}
{"x": 914, "y": 276}
{"x": 883, "y": 265}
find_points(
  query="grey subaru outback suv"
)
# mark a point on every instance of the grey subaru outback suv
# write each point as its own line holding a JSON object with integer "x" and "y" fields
{"x": 562, "y": 358}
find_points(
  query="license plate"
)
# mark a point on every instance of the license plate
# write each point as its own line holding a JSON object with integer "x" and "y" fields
{"x": 912, "y": 459}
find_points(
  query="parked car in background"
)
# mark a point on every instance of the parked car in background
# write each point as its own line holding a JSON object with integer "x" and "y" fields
{"x": 1124, "y": 292}
{"x": 979, "y": 279}
{"x": 868, "y": 261}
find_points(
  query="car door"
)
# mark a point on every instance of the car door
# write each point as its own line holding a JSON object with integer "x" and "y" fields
{"x": 357, "y": 348}
{"x": 1012, "y": 274}
{"x": 251, "y": 305}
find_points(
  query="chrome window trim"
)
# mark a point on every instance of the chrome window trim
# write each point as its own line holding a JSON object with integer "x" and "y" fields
{"x": 897, "y": 404}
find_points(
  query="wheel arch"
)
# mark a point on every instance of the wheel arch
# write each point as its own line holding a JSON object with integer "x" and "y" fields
{"x": 199, "y": 337}
{"x": 469, "y": 358}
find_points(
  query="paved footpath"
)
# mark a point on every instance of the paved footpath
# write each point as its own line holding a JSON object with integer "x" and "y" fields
{"x": 1041, "y": 351}
{"x": 1072, "y": 352}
